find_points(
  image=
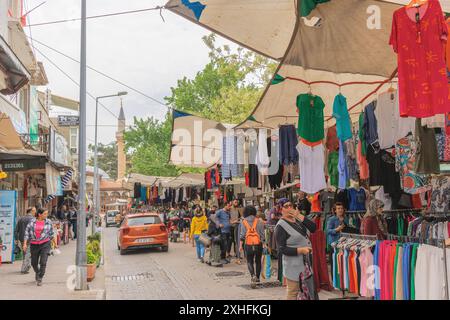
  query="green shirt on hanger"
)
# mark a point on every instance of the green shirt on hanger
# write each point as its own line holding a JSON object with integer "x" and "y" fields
{"x": 361, "y": 135}
{"x": 310, "y": 117}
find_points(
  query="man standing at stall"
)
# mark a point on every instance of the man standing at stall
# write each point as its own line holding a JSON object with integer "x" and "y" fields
{"x": 223, "y": 218}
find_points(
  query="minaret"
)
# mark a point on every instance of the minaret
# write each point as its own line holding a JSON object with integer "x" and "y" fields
{"x": 121, "y": 157}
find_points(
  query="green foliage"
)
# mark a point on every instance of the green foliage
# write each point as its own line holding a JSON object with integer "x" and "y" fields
{"x": 91, "y": 257}
{"x": 93, "y": 251}
{"x": 95, "y": 237}
{"x": 229, "y": 86}
{"x": 107, "y": 158}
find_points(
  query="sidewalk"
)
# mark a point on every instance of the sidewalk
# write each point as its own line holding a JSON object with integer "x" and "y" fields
{"x": 59, "y": 277}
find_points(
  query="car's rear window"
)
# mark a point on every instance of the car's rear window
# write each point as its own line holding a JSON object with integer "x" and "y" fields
{"x": 142, "y": 221}
{"x": 112, "y": 213}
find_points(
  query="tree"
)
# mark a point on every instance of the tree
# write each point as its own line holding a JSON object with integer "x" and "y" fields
{"x": 229, "y": 86}
{"x": 226, "y": 90}
{"x": 148, "y": 141}
{"x": 107, "y": 158}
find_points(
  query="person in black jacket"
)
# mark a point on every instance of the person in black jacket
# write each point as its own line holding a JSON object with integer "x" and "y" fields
{"x": 19, "y": 234}
{"x": 303, "y": 204}
{"x": 216, "y": 242}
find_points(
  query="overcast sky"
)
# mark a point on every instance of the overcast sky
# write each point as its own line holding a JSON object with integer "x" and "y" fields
{"x": 138, "y": 49}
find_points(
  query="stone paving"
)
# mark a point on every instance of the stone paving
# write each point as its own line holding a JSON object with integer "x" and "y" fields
{"x": 178, "y": 275}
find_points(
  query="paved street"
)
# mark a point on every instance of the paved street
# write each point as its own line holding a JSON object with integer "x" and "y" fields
{"x": 152, "y": 274}
{"x": 58, "y": 280}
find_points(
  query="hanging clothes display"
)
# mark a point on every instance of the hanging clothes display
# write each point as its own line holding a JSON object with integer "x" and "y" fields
{"x": 405, "y": 159}
{"x": 332, "y": 141}
{"x": 240, "y": 152}
{"x": 440, "y": 194}
{"x": 311, "y": 118}
{"x": 417, "y": 37}
{"x": 357, "y": 199}
{"x": 229, "y": 157}
{"x": 370, "y": 126}
{"x": 333, "y": 172}
{"x": 262, "y": 157}
{"x": 312, "y": 163}
{"x": 342, "y": 167}
{"x": 340, "y": 113}
{"x": 430, "y": 273}
{"x": 288, "y": 145}
{"x": 137, "y": 190}
{"x": 391, "y": 127}
{"x": 427, "y": 161}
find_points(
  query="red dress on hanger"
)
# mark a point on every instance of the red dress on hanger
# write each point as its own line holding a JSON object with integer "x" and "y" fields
{"x": 423, "y": 90}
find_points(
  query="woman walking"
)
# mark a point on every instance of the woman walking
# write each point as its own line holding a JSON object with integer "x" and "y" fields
{"x": 216, "y": 242}
{"x": 252, "y": 235}
{"x": 198, "y": 225}
{"x": 291, "y": 233}
{"x": 39, "y": 234}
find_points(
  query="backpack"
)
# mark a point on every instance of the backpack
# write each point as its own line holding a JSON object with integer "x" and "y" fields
{"x": 252, "y": 236}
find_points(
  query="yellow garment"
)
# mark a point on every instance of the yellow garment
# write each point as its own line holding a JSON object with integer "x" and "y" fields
{"x": 198, "y": 225}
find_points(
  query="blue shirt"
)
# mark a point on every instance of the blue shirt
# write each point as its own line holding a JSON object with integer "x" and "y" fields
{"x": 357, "y": 199}
{"x": 370, "y": 123}
{"x": 223, "y": 218}
{"x": 340, "y": 112}
{"x": 332, "y": 235}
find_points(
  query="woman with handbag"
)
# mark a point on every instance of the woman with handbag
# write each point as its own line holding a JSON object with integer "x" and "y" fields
{"x": 294, "y": 246}
{"x": 199, "y": 224}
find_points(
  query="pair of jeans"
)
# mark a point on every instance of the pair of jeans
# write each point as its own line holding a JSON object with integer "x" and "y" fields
{"x": 26, "y": 263}
{"x": 254, "y": 257}
{"x": 39, "y": 257}
{"x": 232, "y": 243}
{"x": 200, "y": 247}
{"x": 74, "y": 228}
{"x": 226, "y": 239}
{"x": 288, "y": 145}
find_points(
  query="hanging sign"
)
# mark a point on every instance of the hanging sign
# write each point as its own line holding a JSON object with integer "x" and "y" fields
{"x": 7, "y": 223}
{"x": 68, "y": 121}
{"x": 22, "y": 164}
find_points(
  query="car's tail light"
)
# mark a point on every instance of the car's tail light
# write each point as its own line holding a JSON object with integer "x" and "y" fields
{"x": 125, "y": 230}
{"x": 163, "y": 228}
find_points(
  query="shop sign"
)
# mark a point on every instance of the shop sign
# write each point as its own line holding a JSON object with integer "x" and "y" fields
{"x": 22, "y": 165}
{"x": 68, "y": 121}
{"x": 59, "y": 150}
{"x": 7, "y": 222}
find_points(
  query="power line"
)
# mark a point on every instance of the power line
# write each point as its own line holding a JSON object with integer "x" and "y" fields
{"x": 160, "y": 8}
{"x": 74, "y": 81}
{"x": 103, "y": 74}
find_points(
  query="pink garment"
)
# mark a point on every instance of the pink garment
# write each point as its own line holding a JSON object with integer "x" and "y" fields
{"x": 423, "y": 89}
{"x": 362, "y": 163}
{"x": 39, "y": 228}
{"x": 38, "y": 231}
{"x": 363, "y": 261}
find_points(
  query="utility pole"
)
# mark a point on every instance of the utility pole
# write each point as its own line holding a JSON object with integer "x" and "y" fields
{"x": 81, "y": 260}
{"x": 96, "y": 176}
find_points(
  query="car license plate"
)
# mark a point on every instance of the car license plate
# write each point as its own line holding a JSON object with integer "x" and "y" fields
{"x": 145, "y": 240}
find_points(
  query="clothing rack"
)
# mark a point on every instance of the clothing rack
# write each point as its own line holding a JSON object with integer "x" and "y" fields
{"x": 440, "y": 243}
{"x": 357, "y": 236}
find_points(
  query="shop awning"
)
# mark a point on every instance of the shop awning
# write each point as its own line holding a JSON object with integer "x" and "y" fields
{"x": 196, "y": 141}
{"x": 340, "y": 46}
{"x": 9, "y": 139}
{"x": 13, "y": 73}
{"x": 15, "y": 154}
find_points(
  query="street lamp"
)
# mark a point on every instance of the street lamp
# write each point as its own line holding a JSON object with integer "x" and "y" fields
{"x": 96, "y": 184}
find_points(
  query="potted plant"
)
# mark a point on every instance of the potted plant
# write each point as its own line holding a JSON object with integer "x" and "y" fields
{"x": 91, "y": 264}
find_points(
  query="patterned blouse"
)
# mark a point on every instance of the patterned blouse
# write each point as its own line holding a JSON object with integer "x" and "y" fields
{"x": 405, "y": 158}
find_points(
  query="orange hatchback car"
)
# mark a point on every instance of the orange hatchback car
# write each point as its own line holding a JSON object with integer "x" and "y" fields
{"x": 144, "y": 230}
